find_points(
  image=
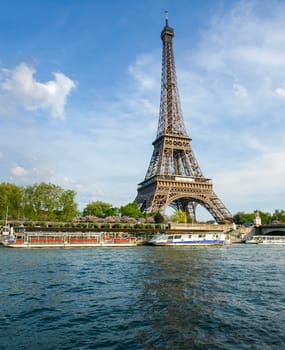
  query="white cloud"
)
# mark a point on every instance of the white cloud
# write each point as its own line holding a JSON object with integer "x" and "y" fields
{"x": 239, "y": 90}
{"x": 232, "y": 80}
{"x": 20, "y": 85}
{"x": 19, "y": 171}
{"x": 145, "y": 70}
{"x": 280, "y": 92}
{"x": 71, "y": 183}
{"x": 230, "y": 89}
{"x": 264, "y": 175}
{"x": 41, "y": 172}
{"x": 243, "y": 45}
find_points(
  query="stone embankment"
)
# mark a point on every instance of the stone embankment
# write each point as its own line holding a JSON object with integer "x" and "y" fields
{"x": 240, "y": 234}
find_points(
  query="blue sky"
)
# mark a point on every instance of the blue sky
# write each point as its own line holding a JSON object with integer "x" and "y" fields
{"x": 80, "y": 89}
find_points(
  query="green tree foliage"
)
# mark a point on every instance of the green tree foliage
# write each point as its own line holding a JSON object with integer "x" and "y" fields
{"x": 241, "y": 218}
{"x": 49, "y": 202}
{"x": 11, "y": 199}
{"x": 132, "y": 210}
{"x": 100, "y": 209}
{"x": 113, "y": 212}
{"x": 279, "y": 215}
{"x": 266, "y": 218}
{"x": 189, "y": 220}
{"x": 158, "y": 218}
{"x": 179, "y": 217}
{"x": 68, "y": 207}
{"x": 37, "y": 202}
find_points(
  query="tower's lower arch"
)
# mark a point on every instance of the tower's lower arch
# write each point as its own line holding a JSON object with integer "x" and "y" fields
{"x": 159, "y": 193}
{"x": 189, "y": 206}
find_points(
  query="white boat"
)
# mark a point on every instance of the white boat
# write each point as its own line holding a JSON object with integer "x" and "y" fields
{"x": 6, "y": 230}
{"x": 210, "y": 238}
{"x": 253, "y": 240}
{"x": 262, "y": 239}
{"x": 6, "y": 233}
{"x": 70, "y": 240}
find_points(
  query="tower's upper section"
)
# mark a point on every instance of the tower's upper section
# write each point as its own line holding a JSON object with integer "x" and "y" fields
{"x": 170, "y": 114}
{"x": 167, "y": 30}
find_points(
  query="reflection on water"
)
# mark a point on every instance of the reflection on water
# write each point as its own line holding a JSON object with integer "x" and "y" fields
{"x": 143, "y": 298}
{"x": 178, "y": 294}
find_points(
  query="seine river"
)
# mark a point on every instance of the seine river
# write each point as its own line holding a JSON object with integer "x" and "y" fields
{"x": 230, "y": 297}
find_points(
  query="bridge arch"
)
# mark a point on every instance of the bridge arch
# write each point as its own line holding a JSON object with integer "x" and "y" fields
{"x": 271, "y": 230}
{"x": 275, "y": 233}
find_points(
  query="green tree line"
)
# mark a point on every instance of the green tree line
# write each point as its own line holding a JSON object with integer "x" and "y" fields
{"x": 49, "y": 202}
{"x": 37, "y": 202}
{"x": 266, "y": 218}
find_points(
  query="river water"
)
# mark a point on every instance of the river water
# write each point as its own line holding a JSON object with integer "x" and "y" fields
{"x": 230, "y": 297}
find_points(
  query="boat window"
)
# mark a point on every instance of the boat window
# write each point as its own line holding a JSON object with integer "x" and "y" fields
{"x": 190, "y": 236}
{"x": 177, "y": 236}
{"x": 170, "y": 237}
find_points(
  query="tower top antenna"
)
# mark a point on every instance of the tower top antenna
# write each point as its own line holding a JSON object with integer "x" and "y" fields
{"x": 166, "y": 18}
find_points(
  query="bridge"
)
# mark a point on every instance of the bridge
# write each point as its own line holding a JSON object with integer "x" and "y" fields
{"x": 271, "y": 230}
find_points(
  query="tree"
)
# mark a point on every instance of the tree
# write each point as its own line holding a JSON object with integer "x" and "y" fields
{"x": 158, "y": 218}
{"x": 266, "y": 218}
{"x": 242, "y": 218}
{"x": 49, "y": 202}
{"x": 11, "y": 199}
{"x": 278, "y": 215}
{"x": 99, "y": 209}
{"x": 68, "y": 206}
{"x": 132, "y": 210}
{"x": 179, "y": 217}
{"x": 113, "y": 212}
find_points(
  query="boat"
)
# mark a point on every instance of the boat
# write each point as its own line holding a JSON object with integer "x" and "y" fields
{"x": 264, "y": 239}
{"x": 70, "y": 240}
{"x": 181, "y": 239}
{"x": 5, "y": 232}
{"x": 6, "y": 229}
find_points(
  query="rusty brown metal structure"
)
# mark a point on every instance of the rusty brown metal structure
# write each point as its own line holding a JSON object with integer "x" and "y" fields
{"x": 174, "y": 177}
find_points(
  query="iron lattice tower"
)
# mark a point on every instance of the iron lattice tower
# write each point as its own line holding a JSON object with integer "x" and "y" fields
{"x": 174, "y": 177}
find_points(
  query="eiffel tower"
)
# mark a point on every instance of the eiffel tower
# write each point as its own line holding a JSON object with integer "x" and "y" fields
{"x": 174, "y": 177}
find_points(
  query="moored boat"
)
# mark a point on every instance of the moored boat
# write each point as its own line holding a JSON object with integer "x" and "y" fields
{"x": 70, "y": 240}
{"x": 5, "y": 232}
{"x": 264, "y": 239}
{"x": 181, "y": 239}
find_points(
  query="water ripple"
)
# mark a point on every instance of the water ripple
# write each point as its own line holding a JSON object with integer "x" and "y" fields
{"x": 143, "y": 298}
